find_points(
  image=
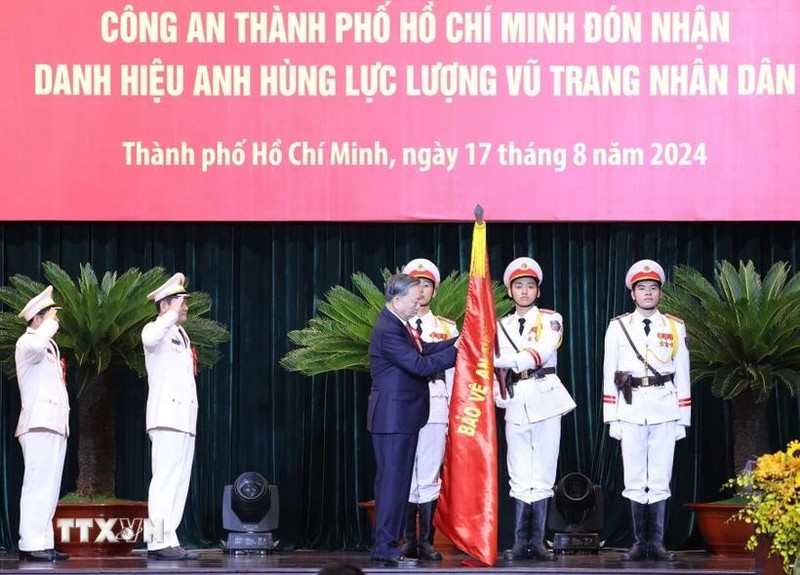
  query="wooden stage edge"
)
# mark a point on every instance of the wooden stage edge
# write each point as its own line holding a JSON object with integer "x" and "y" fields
{"x": 214, "y": 561}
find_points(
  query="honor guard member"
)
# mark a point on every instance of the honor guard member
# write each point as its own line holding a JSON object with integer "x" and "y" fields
{"x": 528, "y": 340}
{"x": 647, "y": 402}
{"x": 426, "y": 480}
{"x": 43, "y": 427}
{"x": 171, "y": 414}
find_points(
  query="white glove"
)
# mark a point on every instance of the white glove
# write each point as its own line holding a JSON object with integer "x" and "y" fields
{"x": 615, "y": 430}
{"x": 505, "y": 362}
{"x": 680, "y": 432}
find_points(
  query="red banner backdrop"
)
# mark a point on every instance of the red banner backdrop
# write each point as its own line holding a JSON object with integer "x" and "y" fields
{"x": 393, "y": 111}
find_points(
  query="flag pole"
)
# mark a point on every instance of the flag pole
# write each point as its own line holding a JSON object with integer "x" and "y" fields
{"x": 467, "y": 512}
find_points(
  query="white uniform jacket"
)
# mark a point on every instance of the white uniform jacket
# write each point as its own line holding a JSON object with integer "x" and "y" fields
{"x": 435, "y": 328}
{"x": 45, "y": 402}
{"x": 665, "y": 350}
{"x": 172, "y": 397}
{"x": 535, "y": 399}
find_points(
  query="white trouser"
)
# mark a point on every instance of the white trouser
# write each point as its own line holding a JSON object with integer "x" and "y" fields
{"x": 647, "y": 454}
{"x": 533, "y": 458}
{"x": 425, "y": 480}
{"x": 43, "y": 452}
{"x": 172, "y": 454}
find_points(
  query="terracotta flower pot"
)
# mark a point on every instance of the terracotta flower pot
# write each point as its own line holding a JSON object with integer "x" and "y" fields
{"x": 724, "y": 536}
{"x": 766, "y": 564}
{"x": 78, "y": 530}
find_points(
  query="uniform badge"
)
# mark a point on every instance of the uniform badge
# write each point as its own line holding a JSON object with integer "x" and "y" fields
{"x": 555, "y": 325}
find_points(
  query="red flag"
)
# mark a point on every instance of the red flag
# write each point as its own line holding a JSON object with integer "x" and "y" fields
{"x": 467, "y": 509}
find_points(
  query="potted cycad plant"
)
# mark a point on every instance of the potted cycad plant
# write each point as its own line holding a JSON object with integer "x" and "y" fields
{"x": 100, "y": 337}
{"x": 744, "y": 339}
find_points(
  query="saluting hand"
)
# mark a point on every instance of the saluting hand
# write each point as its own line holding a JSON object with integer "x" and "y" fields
{"x": 176, "y": 304}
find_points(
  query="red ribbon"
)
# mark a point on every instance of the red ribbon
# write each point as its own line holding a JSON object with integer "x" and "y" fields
{"x": 415, "y": 335}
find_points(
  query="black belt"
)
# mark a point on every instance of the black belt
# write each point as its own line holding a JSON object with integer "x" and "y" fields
{"x": 651, "y": 380}
{"x": 538, "y": 373}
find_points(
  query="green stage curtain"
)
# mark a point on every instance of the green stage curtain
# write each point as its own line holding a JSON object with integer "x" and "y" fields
{"x": 308, "y": 435}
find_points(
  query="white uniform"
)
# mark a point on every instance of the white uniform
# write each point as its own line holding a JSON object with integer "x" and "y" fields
{"x": 657, "y": 415}
{"x": 42, "y": 430}
{"x": 426, "y": 481}
{"x": 533, "y": 415}
{"x": 171, "y": 421}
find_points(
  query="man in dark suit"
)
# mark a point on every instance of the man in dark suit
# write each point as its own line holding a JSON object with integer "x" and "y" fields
{"x": 399, "y": 402}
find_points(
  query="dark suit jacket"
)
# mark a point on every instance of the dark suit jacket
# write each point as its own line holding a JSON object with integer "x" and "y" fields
{"x": 399, "y": 400}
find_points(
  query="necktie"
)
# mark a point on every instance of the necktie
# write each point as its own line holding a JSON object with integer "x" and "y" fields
{"x": 414, "y": 335}
{"x": 419, "y": 326}
{"x": 521, "y": 325}
{"x": 646, "y": 323}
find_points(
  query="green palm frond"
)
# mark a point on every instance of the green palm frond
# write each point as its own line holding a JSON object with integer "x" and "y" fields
{"x": 743, "y": 330}
{"x": 337, "y": 338}
{"x": 451, "y": 297}
{"x": 101, "y": 320}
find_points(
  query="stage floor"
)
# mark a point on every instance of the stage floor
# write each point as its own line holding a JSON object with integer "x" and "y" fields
{"x": 215, "y": 561}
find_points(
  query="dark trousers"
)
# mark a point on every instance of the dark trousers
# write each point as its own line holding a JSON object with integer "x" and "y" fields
{"x": 394, "y": 458}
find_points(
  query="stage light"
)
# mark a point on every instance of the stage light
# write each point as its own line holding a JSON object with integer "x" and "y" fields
{"x": 250, "y": 514}
{"x": 576, "y": 517}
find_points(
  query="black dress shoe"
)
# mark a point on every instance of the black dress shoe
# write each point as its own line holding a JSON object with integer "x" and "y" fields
{"x": 43, "y": 555}
{"x": 188, "y": 555}
{"x": 637, "y": 552}
{"x": 657, "y": 552}
{"x": 541, "y": 553}
{"x": 167, "y": 554}
{"x": 427, "y": 552}
{"x": 57, "y": 555}
{"x": 396, "y": 561}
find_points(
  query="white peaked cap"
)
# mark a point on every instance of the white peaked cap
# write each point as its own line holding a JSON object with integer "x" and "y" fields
{"x": 644, "y": 270}
{"x": 38, "y": 303}
{"x": 522, "y": 268}
{"x": 173, "y": 286}
{"x": 422, "y": 268}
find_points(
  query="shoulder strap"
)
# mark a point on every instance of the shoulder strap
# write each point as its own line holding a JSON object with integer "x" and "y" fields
{"x": 636, "y": 351}
{"x": 674, "y": 329}
{"x": 508, "y": 337}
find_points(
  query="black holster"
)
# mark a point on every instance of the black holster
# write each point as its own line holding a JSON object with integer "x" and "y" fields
{"x": 622, "y": 380}
{"x": 505, "y": 377}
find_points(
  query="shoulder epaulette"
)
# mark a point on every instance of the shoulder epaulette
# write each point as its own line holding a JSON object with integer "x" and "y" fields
{"x": 620, "y": 316}
{"x": 544, "y": 310}
{"x": 445, "y": 320}
{"x": 674, "y": 318}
